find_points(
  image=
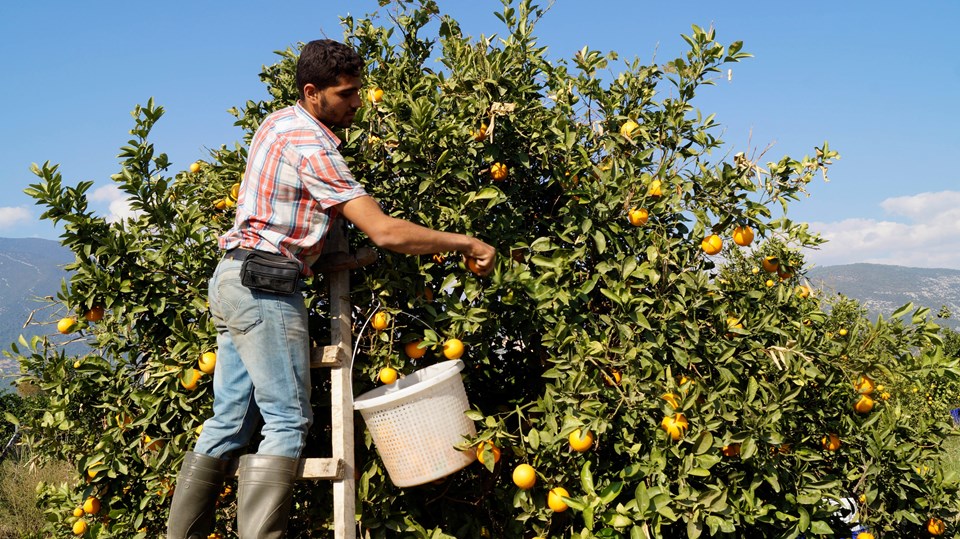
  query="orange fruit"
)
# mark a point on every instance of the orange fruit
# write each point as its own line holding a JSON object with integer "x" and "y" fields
{"x": 734, "y": 322}
{"x": 935, "y": 526}
{"x": 498, "y": 171}
{"x": 842, "y": 332}
{"x": 375, "y": 95}
{"x": 555, "y": 500}
{"x": 628, "y": 128}
{"x": 732, "y": 450}
{"x": 864, "y": 385}
{"x": 638, "y": 216}
{"x": 613, "y": 379}
{"x": 712, "y": 244}
{"x": 654, "y": 189}
{"x": 831, "y": 442}
{"x": 91, "y": 505}
{"x": 91, "y": 473}
{"x": 95, "y": 314}
{"x": 208, "y": 362}
{"x": 770, "y": 264}
{"x": 80, "y": 527}
{"x": 194, "y": 167}
{"x": 235, "y": 190}
{"x": 388, "y": 375}
{"x": 675, "y": 426}
{"x": 488, "y": 448}
{"x": 672, "y": 400}
{"x": 863, "y": 405}
{"x": 770, "y": 283}
{"x": 67, "y": 325}
{"x": 78, "y": 512}
{"x": 413, "y": 350}
{"x": 743, "y": 236}
{"x": 453, "y": 348}
{"x": 380, "y": 321}
{"x": 580, "y": 441}
{"x": 803, "y": 291}
{"x": 472, "y": 265}
{"x": 189, "y": 379}
{"x": 480, "y": 134}
{"x": 524, "y": 476}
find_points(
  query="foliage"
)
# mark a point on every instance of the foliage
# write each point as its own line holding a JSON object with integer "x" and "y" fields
{"x": 586, "y": 323}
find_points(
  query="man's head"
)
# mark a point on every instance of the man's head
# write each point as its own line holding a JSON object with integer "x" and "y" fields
{"x": 329, "y": 76}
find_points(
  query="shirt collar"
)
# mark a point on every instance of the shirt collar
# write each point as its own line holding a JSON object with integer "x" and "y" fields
{"x": 326, "y": 130}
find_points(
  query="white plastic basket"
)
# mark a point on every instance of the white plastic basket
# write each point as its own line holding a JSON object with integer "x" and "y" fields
{"x": 416, "y": 421}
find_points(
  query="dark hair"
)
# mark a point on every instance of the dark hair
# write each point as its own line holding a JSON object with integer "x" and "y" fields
{"x": 323, "y": 61}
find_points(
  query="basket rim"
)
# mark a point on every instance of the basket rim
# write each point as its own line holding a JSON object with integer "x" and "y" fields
{"x": 390, "y": 394}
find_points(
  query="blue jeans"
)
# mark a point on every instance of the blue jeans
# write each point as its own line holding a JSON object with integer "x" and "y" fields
{"x": 263, "y": 365}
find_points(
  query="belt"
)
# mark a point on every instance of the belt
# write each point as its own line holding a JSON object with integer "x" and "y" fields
{"x": 237, "y": 253}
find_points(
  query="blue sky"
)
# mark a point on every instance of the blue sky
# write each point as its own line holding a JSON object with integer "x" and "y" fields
{"x": 879, "y": 80}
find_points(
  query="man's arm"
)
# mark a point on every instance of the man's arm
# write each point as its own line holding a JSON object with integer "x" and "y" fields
{"x": 409, "y": 238}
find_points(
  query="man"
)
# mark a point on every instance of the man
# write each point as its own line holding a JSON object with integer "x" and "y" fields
{"x": 295, "y": 183}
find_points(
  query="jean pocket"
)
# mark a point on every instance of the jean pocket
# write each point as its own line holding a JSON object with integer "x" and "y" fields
{"x": 239, "y": 305}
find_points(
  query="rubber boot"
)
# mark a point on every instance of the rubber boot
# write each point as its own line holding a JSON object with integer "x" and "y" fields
{"x": 264, "y": 496}
{"x": 194, "y": 503}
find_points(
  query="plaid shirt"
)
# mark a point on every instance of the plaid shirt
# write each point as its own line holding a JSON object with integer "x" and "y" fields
{"x": 295, "y": 177}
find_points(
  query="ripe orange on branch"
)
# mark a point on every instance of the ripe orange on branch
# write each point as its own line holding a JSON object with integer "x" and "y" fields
{"x": 675, "y": 426}
{"x": 413, "y": 350}
{"x": 712, "y": 244}
{"x": 498, "y": 171}
{"x": 864, "y": 405}
{"x": 524, "y": 476}
{"x": 488, "y": 447}
{"x": 453, "y": 348}
{"x": 935, "y": 526}
{"x": 638, "y": 216}
{"x": 208, "y": 362}
{"x": 388, "y": 375}
{"x": 380, "y": 321}
{"x": 94, "y": 314}
{"x": 580, "y": 441}
{"x": 743, "y": 236}
{"x": 831, "y": 442}
{"x": 67, "y": 325}
{"x": 555, "y": 499}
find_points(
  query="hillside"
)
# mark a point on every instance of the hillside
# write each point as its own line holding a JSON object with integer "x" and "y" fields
{"x": 30, "y": 270}
{"x": 882, "y": 288}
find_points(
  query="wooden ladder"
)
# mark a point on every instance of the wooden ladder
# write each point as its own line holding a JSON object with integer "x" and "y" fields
{"x": 336, "y": 357}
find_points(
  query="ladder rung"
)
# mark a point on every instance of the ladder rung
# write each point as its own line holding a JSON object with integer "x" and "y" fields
{"x": 329, "y": 469}
{"x": 328, "y": 356}
{"x": 313, "y": 468}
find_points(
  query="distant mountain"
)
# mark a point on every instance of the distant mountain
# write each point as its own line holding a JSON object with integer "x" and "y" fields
{"x": 30, "y": 270}
{"x": 882, "y": 289}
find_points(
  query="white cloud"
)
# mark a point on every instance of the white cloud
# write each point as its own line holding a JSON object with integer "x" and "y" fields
{"x": 118, "y": 204}
{"x": 13, "y": 215}
{"x": 923, "y": 232}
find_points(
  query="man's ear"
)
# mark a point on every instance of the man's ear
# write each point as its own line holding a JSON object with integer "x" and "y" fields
{"x": 310, "y": 91}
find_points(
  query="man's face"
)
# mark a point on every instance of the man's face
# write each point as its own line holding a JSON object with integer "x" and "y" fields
{"x": 336, "y": 105}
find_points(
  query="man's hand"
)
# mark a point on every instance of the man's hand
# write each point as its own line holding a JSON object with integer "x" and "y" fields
{"x": 483, "y": 256}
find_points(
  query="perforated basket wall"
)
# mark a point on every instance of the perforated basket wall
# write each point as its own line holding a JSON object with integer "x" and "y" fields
{"x": 416, "y": 422}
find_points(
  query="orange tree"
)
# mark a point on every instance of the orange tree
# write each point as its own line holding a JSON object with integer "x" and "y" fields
{"x": 718, "y": 395}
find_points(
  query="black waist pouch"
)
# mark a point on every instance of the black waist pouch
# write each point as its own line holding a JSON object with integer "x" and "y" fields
{"x": 270, "y": 273}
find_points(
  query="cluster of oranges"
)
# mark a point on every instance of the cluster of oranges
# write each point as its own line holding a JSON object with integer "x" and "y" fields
{"x": 525, "y": 476}
{"x": 453, "y": 348}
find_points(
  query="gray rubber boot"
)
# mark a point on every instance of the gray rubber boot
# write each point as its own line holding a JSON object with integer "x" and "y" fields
{"x": 264, "y": 496}
{"x": 195, "y": 497}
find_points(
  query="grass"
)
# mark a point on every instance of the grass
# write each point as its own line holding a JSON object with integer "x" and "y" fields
{"x": 18, "y": 483}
